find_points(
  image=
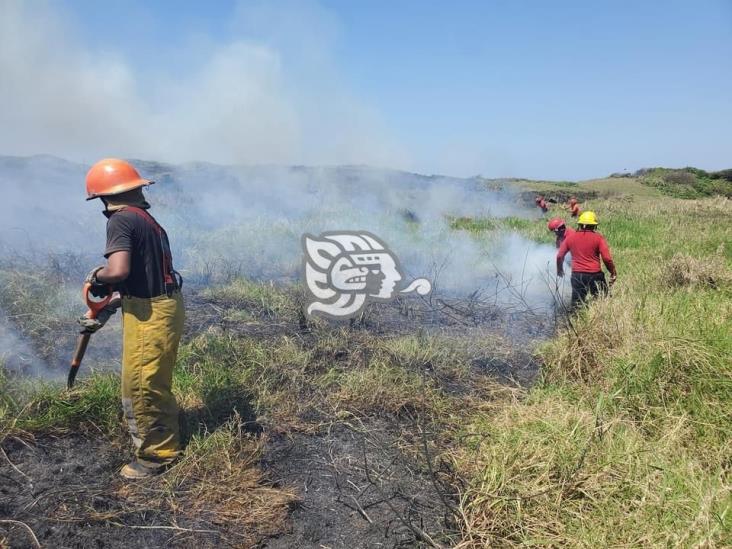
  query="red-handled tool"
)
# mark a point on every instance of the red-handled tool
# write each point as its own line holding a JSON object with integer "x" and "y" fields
{"x": 95, "y": 304}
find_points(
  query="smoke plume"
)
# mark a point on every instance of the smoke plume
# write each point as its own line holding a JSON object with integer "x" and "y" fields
{"x": 262, "y": 97}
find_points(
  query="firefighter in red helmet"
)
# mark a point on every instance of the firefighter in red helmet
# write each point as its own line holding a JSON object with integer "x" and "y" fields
{"x": 560, "y": 229}
{"x": 541, "y": 203}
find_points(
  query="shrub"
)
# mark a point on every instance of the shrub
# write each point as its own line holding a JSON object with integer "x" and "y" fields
{"x": 686, "y": 182}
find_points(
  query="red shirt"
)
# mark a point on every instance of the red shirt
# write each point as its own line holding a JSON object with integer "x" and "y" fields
{"x": 586, "y": 247}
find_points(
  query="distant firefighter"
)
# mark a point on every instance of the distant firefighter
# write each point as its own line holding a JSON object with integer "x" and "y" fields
{"x": 587, "y": 247}
{"x": 560, "y": 229}
{"x": 574, "y": 208}
{"x": 541, "y": 202}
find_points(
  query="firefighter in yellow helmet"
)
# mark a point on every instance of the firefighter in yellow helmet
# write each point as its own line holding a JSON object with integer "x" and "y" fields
{"x": 140, "y": 266}
{"x": 588, "y": 249}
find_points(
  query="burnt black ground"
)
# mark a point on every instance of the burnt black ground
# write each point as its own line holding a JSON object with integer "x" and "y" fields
{"x": 64, "y": 479}
{"x": 357, "y": 490}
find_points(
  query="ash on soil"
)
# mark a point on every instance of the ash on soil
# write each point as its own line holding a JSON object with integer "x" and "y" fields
{"x": 357, "y": 490}
{"x": 64, "y": 483}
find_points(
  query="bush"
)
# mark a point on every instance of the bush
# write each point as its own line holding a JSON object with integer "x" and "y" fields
{"x": 686, "y": 182}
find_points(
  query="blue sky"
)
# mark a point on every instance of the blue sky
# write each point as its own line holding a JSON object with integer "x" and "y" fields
{"x": 561, "y": 90}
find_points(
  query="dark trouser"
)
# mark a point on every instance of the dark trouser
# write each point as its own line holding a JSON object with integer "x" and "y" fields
{"x": 587, "y": 283}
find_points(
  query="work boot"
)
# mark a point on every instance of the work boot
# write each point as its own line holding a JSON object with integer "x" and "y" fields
{"x": 139, "y": 468}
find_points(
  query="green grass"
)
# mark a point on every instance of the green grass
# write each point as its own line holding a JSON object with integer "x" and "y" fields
{"x": 549, "y": 472}
{"x": 619, "y": 187}
{"x": 488, "y": 226}
{"x": 31, "y": 405}
{"x": 281, "y": 380}
{"x": 252, "y": 297}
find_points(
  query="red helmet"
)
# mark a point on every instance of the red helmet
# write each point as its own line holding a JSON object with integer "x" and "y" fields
{"x": 554, "y": 224}
{"x": 112, "y": 176}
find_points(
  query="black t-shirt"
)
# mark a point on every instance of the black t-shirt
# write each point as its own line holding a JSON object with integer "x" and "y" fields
{"x": 135, "y": 231}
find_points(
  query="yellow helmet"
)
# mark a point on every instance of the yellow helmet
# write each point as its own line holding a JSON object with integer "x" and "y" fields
{"x": 587, "y": 218}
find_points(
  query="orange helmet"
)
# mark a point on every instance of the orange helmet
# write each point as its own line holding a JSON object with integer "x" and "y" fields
{"x": 112, "y": 176}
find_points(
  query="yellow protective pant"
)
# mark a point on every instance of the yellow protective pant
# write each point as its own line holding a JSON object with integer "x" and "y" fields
{"x": 151, "y": 332}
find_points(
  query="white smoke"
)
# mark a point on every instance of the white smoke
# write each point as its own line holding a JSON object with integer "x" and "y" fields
{"x": 267, "y": 98}
{"x": 257, "y": 98}
{"x": 17, "y": 355}
{"x": 249, "y": 220}
{"x": 230, "y": 221}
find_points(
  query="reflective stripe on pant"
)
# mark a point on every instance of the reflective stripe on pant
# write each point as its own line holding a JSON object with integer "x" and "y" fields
{"x": 151, "y": 332}
{"x": 587, "y": 283}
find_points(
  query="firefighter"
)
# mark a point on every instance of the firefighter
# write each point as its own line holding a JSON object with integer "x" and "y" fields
{"x": 139, "y": 265}
{"x": 541, "y": 203}
{"x": 588, "y": 248}
{"x": 560, "y": 229}
{"x": 574, "y": 208}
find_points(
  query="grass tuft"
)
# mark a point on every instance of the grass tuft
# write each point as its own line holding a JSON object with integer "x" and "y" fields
{"x": 219, "y": 483}
{"x": 260, "y": 299}
{"x": 38, "y": 406}
{"x": 685, "y": 271}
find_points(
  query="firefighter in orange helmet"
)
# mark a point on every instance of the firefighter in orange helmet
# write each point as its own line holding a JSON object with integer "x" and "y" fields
{"x": 140, "y": 266}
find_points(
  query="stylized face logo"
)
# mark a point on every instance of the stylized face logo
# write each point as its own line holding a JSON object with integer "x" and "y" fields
{"x": 378, "y": 273}
{"x": 345, "y": 269}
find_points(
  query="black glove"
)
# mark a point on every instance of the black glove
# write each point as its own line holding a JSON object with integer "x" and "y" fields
{"x": 97, "y": 288}
{"x": 94, "y": 324}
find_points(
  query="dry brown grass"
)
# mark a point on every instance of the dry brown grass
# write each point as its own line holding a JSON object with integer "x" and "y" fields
{"x": 685, "y": 271}
{"x": 626, "y": 443}
{"x": 585, "y": 343}
{"x": 548, "y": 473}
{"x": 220, "y": 485}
